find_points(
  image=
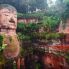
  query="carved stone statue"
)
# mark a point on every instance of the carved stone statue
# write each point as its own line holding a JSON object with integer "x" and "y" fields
{"x": 8, "y": 25}
{"x": 8, "y": 19}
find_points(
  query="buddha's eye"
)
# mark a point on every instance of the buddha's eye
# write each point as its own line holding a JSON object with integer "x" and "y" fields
{"x": 6, "y": 15}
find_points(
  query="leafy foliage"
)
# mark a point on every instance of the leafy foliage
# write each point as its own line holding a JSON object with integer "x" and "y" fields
{"x": 51, "y": 22}
{"x": 31, "y": 32}
{"x": 38, "y": 15}
{"x": 2, "y": 46}
{"x": 1, "y": 40}
{"x": 27, "y": 28}
{"x": 23, "y": 37}
{"x": 52, "y": 36}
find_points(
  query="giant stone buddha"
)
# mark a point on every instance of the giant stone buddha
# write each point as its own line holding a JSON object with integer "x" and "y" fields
{"x": 8, "y": 25}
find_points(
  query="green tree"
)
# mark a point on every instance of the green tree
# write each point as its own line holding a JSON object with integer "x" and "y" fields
{"x": 51, "y": 22}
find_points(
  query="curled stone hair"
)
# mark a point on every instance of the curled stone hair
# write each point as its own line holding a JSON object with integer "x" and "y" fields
{"x": 9, "y": 7}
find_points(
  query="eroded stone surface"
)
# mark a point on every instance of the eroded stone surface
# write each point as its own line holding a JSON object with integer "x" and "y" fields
{"x": 8, "y": 25}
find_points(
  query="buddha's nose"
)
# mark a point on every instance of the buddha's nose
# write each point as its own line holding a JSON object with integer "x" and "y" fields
{"x": 12, "y": 20}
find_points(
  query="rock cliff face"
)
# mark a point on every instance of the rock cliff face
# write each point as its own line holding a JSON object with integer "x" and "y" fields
{"x": 8, "y": 25}
{"x": 64, "y": 28}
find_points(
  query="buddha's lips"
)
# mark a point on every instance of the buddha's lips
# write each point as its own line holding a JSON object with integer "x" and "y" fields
{"x": 8, "y": 27}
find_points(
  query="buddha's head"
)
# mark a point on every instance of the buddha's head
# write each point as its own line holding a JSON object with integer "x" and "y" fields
{"x": 8, "y": 17}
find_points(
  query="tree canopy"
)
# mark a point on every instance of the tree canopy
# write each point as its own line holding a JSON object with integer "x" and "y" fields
{"x": 25, "y": 6}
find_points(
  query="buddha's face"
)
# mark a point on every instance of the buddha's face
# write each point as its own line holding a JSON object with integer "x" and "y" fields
{"x": 8, "y": 19}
